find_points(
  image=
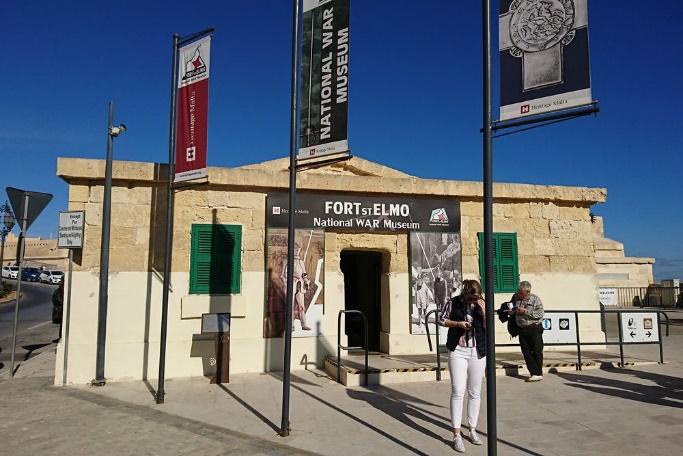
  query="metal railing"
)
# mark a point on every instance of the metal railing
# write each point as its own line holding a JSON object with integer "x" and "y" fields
{"x": 340, "y": 347}
{"x": 578, "y": 343}
{"x": 652, "y": 296}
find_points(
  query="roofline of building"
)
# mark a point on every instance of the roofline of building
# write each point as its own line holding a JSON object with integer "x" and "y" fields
{"x": 624, "y": 260}
{"x": 73, "y": 170}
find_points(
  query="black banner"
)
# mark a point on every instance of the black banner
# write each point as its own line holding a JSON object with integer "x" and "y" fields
{"x": 365, "y": 213}
{"x": 544, "y": 58}
{"x": 324, "y": 78}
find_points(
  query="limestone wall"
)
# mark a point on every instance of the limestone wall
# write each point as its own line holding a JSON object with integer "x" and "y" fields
{"x": 552, "y": 223}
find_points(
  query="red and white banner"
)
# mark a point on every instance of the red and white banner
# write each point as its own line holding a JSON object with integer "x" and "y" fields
{"x": 193, "y": 107}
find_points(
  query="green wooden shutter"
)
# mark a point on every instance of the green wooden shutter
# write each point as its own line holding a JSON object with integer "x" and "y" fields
{"x": 507, "y": 263}
{"x": 215, "y": 263}
{"x": 505, "y": 267}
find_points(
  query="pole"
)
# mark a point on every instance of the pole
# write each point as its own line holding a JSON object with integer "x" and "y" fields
{"x": 66, "y": 318}
{"x": 491, "y": 427}
{"x": 24, "y": 221}
{"x": 3, "y": 233}
{"x": 284, "y": 427}
{"x": 168, "y": 250}
{"x": 104, "y": 255}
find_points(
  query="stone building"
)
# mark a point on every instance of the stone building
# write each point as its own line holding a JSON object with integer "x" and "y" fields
{"x": 615, "y": 269}
{"x": 37, "y": 252}
{"x": 544, "y": 235}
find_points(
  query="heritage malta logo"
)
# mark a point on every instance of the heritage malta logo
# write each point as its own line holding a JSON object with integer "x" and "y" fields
{"x": 195, "y": 66}
{"x": 439, "y": 217}
{"x": 525, "y": 109}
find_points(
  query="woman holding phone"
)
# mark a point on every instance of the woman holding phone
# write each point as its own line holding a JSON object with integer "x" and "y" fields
{"x": 466, "y": 358}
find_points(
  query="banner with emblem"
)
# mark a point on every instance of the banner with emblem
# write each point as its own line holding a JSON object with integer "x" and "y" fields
{"x": 544, "y": 56}
{"x": 192, "y": 110}
{"x": 324, "y": 79}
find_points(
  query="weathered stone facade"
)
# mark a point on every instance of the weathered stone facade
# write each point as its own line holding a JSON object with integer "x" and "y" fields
{"x": 553, "y": 226}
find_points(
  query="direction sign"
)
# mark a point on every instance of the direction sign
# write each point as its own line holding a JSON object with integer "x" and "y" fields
{"x": 70, "y": 234}
{"x": 36, "y": 203}
{"x": 639, "y": 327}
{"x": 559, "y": 328}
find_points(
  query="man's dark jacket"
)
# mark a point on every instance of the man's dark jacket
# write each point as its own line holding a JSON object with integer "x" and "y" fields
{"x": 504, "y": 316}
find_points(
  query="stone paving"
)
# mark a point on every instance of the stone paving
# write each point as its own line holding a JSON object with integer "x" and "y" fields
{"x": 634, "y": 411}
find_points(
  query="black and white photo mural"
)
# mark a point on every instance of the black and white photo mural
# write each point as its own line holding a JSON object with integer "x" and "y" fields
{"x": 435, "y": 275}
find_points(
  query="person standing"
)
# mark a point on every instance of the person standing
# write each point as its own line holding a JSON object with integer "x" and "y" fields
{"x": 466, "y": 358}
{"x": 440, "y": 290}
{"x": 528, "y": 313}
{"x": 423, "y": 295}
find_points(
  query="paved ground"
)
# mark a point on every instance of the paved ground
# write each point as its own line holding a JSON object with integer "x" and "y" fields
{"x": 609, "y": 412}
{"x": 35, "y": 331}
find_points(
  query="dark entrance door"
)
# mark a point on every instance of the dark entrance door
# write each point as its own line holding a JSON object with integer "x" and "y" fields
{"x": 362, "y": 291}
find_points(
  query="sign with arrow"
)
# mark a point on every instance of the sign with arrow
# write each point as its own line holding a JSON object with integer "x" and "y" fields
{"x": 640, "y": 327}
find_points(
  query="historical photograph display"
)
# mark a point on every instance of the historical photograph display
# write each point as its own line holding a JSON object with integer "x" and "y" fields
{"x": 436, "y": 275}
{"x": 308, "y": 272}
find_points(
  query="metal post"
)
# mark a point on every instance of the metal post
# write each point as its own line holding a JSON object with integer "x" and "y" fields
{"x": 661, "y": 347}
{"x": 367, "y": 369}
{"x": 168, "y": 249}
{"x": 438, "y": 352}
{"x": 491, "y": 427}
{"x": 24, "y": 221}
{"x": 621, "y": 339}
{"x": 339, "y": 346}
{"x": 578, "y": 340}
{"x": 66, "y": 318}
{"x": 4, "y": 234}
{"x": 104, "y": 255}
{"x": 284, "y": 427}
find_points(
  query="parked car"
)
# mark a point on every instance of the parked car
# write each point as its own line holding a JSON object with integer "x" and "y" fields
{"x": 10, "y": 272}
{"x": 30, "y": 274}
{"x": 53, "y": 277}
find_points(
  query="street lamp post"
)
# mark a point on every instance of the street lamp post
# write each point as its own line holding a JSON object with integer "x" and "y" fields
{"x": 112, "y": 132}
{"x": 6, "y": 224}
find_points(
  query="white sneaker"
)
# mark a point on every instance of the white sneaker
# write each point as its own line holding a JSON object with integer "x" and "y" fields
{"x": 458, "y": 444}
{"x": 534, "y": 378}
{"x": 474, "y": 437}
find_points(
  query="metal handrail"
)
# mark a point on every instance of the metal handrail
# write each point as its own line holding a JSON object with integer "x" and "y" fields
{"x": 578, "y": 342}
{"x": 429, "y": 340}
{"x": 347, "y": 348}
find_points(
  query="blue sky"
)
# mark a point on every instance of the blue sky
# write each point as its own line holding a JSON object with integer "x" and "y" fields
{"x": 415, "y": 99}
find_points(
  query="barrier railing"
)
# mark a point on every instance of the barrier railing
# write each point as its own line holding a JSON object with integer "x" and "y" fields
{"x": 340, "y": 347}
{"x": 578, "y": 343}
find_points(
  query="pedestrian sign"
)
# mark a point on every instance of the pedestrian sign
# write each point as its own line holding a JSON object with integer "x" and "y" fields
{"x": 639, "y": 327}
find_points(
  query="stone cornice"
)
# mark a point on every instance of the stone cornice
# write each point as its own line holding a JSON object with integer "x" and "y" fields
{"x": 78, "y": 169}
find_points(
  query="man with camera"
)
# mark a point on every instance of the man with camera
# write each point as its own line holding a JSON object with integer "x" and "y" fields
{"x": 527, "y": 309}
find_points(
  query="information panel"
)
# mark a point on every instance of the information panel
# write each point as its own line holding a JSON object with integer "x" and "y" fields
{"x": 639, "y": 327}
{"x": 559, "y": 328}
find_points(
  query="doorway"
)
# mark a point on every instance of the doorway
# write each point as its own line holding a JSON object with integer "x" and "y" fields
{"x": 362, "y": 291}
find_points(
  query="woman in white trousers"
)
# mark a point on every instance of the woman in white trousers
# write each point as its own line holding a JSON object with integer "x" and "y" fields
{"x": 466, "y": 343}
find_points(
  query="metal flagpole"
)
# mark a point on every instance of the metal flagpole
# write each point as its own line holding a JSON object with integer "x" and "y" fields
{"x": 284, "y": 427}
{"x": 65, "y": 318}
{"x": 488, "y": 238}
{"x": 20, "y": 246}
{"x": 168, "y": 250}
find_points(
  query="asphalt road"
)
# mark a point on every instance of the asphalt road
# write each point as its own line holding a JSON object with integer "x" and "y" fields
{"x": 35, "y": 331}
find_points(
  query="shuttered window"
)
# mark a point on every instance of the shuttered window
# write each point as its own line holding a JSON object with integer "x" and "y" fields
{"x": 216, "y": 259}
{"x": 505, "y": 265}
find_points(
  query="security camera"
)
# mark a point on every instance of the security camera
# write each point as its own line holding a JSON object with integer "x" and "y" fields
{"x": 115, "y": 131}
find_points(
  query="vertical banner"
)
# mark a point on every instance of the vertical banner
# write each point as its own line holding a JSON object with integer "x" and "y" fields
{"x": 193, "y": 106}
{"x": 436, "y": 276}
{"x": 309, "y": 270}
{"x": 324, "y": 79}
{"x": 544, "y": 56}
